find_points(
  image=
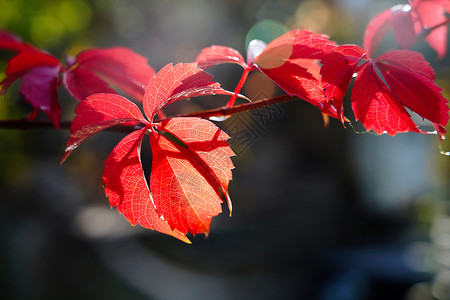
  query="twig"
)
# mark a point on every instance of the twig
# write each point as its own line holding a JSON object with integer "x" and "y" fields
{"x": 226, "y": 111}
{"x": 26, "y": 124}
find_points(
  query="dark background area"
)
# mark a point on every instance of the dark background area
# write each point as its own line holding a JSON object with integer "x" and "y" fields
{"x": 326, "y": 213}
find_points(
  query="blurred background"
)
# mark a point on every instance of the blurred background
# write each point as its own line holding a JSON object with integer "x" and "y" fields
{"x": 319, "y": 213}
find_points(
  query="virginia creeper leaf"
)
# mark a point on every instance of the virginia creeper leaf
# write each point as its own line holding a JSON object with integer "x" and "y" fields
{"x": 39, "y": 87}
{"x": 39, "y": 72}
{"x": 122, "y": 67}
{"x": 127, "y": 188}
{"x": 376, "y": 106}
{"x": 196, "y": 144}
{"x": 99, "y": 112}
{"x": 216, "y": 55}
{"x": 408, "y": 22}
{"x": 103, "y": 107}
{"x": 24, "y": 62}
{"x": 415, "y": 92}
{"x": 375, "y": 31}
{"x": 187, "y": 180}
{"x": 173, "y": 83}
{"x": 384, "y": 87}
{"x": 409, "y": 59}
{"x": 430, "y": 14}
{"x": 403, "y": 26}
{"x": 337, "y": 72}
{"x": 11, "y": 42}
{"x": 292, "y": 62}
{"x": 81, "y": 83}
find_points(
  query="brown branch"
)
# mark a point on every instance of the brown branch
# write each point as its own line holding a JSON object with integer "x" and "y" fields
{"x": 226, "y": 111}
{"x": 26, "y": 124}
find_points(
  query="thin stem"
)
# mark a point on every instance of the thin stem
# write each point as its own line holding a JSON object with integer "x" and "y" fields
{"x": 239, "y": 86}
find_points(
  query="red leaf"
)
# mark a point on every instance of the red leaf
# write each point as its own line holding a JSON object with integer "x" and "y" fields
{"x": 103, "y": 107}
{"x": 292, "y": 45}
{"x": 408, "y": 22}
{"x": 39, "y": 72}
{"x": 121, "y": 66}
{"x": 291, "y": 61}
{"x": 337, "y": 72}
{"x": 216, "y": 55}
{"x": 39, "y": 87}
{"x": 126, "y": 187}
{"x": 415, "y": 92}
{"x": 384, "y": 87}
{"x": 11, "y": 42}
{"x": 81, "y": 83}
{"x": 430, "y": 14}
{"x": 187, "y": 179}
{"x": 376, "y": 107}
{"x": 375, "y": 31}
{"x": 403, "y": 26}
{"x": 99, "y": 112}
{"x": 173, "y": 83}
{"x": 196, "y": 147}
{"x": 409, "y": 59}
{"x": 380, "y": 102}
{"x": 24, "y": 62}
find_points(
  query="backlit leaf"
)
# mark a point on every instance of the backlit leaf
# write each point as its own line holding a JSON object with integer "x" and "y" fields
{"x": 188, "y": 179}
{"x": 216, "y": 55}
{"x": 402, "y": 23}
{"x": 188, "y": 153}
{"x": 120, "y": 66}
{"x": 384, "y": 88}
{"x": 97, "y": 113}
{"x": 292, "y": 62}
{"x": 127, "y": 189}
{"x": 173, "y": 83}
{"x": 375, "y": 31}
{"x": 81, "y": 83}
{"x": 430, "y": 14}
{"x": 376, "y": 106}
{"x": 337, "y": 72}
{"x": 419, "y": 18}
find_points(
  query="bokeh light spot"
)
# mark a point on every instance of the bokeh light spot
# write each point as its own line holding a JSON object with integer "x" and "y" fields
{"x": 266, "y": 31}
{"x": 313, "y": 15}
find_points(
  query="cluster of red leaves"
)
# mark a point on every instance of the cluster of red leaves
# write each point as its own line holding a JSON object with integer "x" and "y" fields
{"x": 83, "y": 75}
{"x": 384, "y": 87}
{"x": 419, "y": 18}
{"x": 291, "y": 61}
{"x": 317, "y": 70}
{"x": 191, "y": 165}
